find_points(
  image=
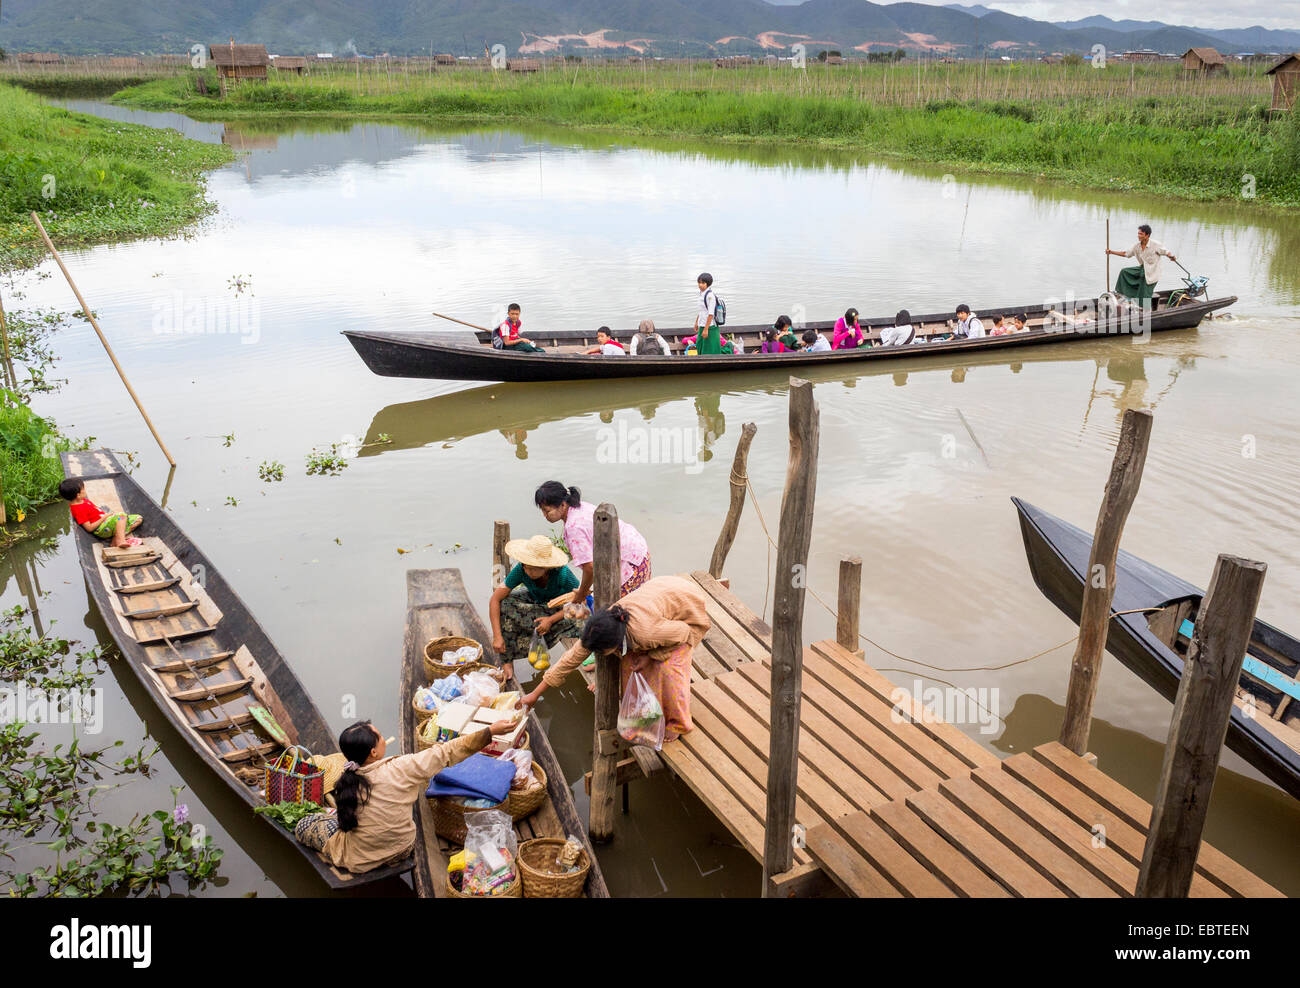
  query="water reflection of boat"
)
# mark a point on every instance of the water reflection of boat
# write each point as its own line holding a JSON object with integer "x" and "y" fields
{"x": 1265, "y": 724}
{"x": 515, "y": 411}
{"x": 470, "y": 356}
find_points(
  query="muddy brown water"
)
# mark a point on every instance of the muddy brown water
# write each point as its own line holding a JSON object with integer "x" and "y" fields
{"x": 351, "y": 225}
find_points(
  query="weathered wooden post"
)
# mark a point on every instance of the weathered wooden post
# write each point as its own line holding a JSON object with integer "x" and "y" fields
{"x": 9, "y": 374}
{"x": 1099, "y": 582}
{"x": 787, "y": 632}
{"x": 739, "y": 477}
{"x": 500, "y": 562}
{"x": 849, "y": 606}
{"x": 606, "y": 583}
{"x": 1202, "y": 709}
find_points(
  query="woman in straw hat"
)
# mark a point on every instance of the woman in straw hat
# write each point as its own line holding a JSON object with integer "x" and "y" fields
{"x": 519, "y": 607}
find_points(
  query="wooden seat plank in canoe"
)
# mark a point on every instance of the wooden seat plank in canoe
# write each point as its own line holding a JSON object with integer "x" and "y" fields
{"x": 148, "y": 586}
{"x": 164, "y": 610}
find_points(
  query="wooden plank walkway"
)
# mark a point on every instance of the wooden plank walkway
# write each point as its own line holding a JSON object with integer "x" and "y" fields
{"x": 895, "y": 802}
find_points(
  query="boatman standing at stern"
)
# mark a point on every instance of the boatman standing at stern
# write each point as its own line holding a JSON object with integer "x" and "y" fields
{"x": 1138, "y": 282}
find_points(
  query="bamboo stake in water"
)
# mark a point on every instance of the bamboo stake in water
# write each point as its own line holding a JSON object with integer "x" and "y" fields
{"x": 100, "y": 333}
{"x": 9, "y": 374}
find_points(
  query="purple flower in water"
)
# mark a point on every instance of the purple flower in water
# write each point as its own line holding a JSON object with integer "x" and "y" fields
{"x": 181, "y": 814}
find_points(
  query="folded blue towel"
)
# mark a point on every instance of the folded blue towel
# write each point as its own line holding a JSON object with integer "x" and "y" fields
{"x": 477, "y": 777}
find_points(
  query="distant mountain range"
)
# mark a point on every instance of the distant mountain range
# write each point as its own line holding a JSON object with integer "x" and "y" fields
{"x": 651, "y": 27}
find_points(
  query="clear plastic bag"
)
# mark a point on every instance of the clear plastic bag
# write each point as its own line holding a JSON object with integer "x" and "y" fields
{"x": 480, "y": 687}
{"x": 640, "y": 717}
{"x": 491, "y": 850}
{"x": 539, "y": 655}
{"x": 447, "y": 688}
{"x": 523, "y": 761}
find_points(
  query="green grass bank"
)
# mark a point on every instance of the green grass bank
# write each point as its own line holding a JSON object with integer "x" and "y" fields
{"x": 1155, "y": 132}
{"x": 92, "y": 180}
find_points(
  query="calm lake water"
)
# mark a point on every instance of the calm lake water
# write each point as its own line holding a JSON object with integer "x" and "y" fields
{"x": 332, "y": 226}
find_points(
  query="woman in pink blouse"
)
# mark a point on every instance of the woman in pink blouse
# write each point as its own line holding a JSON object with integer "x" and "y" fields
{"x": 848, "y": 334}
{"x": 560, "y": 503}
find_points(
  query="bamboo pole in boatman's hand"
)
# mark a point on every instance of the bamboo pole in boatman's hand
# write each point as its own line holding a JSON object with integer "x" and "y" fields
{"x": 1107, "y": 288}
{"x": 100, "y": 333}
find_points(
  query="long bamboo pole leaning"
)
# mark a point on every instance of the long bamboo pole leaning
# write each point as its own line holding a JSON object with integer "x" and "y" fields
{"x": 100, "y": 333}
{"x": 795, "y": 534}
{"x": 1199, "y": 725}
{"x": 606, "y": 584}
{"x": 1099, "y": 581}
{"x": 483, "y": 329}
{"x": 739, "y": 477}
{"x": 10, "y": 377}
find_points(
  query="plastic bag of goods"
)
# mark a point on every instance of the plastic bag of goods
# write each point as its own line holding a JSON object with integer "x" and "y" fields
{"x": 447, "y": 688}
{"x": 426, "y": 698}
{"x": 459, "y": 656}
{"x": 523, "y": 759}
{"x": 640, "y": 717}
{"x": 566, "y": 860}
{"x": 480, "y": 687}
{"x": 539, "y": 656}
{"x": 490, "y": 852}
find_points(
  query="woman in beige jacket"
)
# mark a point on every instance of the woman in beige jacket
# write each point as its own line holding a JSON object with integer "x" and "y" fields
{"x": 374, "y": 825}
{"x": 654, "y": 628}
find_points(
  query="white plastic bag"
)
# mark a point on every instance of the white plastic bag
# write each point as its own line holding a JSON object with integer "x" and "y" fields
{"x": 640, "y": 717}
{"x": 480, "y": 687}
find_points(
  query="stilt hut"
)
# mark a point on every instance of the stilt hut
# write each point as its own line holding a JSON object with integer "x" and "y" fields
{"x": 1204, "y": 61}
{"x": 238, "y": 63}
{"x": 444, "y": 58}
{"x": 524, "y": 65}
{"x": 1286, "y": 82}
{"x": 290, "y": 64}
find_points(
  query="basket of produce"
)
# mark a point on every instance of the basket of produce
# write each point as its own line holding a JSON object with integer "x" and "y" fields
{"x": 291, "y": 778}
{"x": 452, "y": 654}
{"x": 553, "y": 868}
{"x": 525, "y": 798}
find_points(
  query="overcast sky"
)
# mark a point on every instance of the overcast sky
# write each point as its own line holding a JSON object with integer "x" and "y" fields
{"x": 1189, "y": 13}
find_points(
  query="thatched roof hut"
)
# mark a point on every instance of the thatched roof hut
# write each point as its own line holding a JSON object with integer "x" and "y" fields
{"x": 296, "y": 64}
{"x": 1204, "y": 60}
{"x": 1286, "y": 82}
{"x": 524, "y": 65}
{"x": 444, "y": 58}
{"x": 239, "y": 61}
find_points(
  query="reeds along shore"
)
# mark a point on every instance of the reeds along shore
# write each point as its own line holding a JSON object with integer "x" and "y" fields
{"x": 1149, "y": 128}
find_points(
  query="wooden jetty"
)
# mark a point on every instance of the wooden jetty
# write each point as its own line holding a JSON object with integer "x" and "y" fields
{"x": 437, "y": 605}
{"x": 835, "y": 778}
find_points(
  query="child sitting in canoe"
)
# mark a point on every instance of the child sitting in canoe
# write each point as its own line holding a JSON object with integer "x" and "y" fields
{"x": 521, "y": 605}
{"x": 115, "y": 526}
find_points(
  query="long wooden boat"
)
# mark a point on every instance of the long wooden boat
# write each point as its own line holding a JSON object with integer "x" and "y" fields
{"x": 198, "y": 651}
{"x": 469, "y": 356}
{"x": 437, "y": 605}
{"x": 1265, "y": 720}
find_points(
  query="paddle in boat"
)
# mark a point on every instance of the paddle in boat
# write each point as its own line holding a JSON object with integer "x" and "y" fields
{"x": 1264, "y": 727}
{"x": 199, "y": 652}
{"x": 470, "y": 356}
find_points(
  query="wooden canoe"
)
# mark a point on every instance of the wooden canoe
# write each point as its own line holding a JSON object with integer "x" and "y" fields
{"x": 469, "y": 356}
{"x": 1264, "y": 727}
{"x": 437, "y": 605}
{"x": 198, "y": 651}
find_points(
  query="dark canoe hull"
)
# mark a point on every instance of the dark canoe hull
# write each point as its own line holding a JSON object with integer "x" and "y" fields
{"x": 437, "y": 605}
{"x": 237, "y": 627}
{"x": 1058, "y": 557}
{"x": 465, "y": 357}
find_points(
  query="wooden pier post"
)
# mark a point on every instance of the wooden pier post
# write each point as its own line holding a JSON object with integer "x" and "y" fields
{"x": 606, "y": 583}
{"x": 500, "y": 561}
{"x": 1099, "y": 582}
{"x": 1199, "y": 725}
{"x": 849, "y": 606}
{"x": 739, "y": 477}
{"x": 10, "y": 377}
{"x": 787, "y": 633}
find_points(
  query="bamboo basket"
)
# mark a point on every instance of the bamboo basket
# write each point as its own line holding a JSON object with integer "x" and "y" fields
{"x": 421, "y": 715}
{"x": 515, "y": 890}
{"x": 539, "y": 883}
{"x": 524, "y": 802}
{"x": 449, "y": 818}
{"x": 436, "y": 670}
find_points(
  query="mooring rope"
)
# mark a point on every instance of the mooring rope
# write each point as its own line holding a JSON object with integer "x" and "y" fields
{"x": 771, "y": 544}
